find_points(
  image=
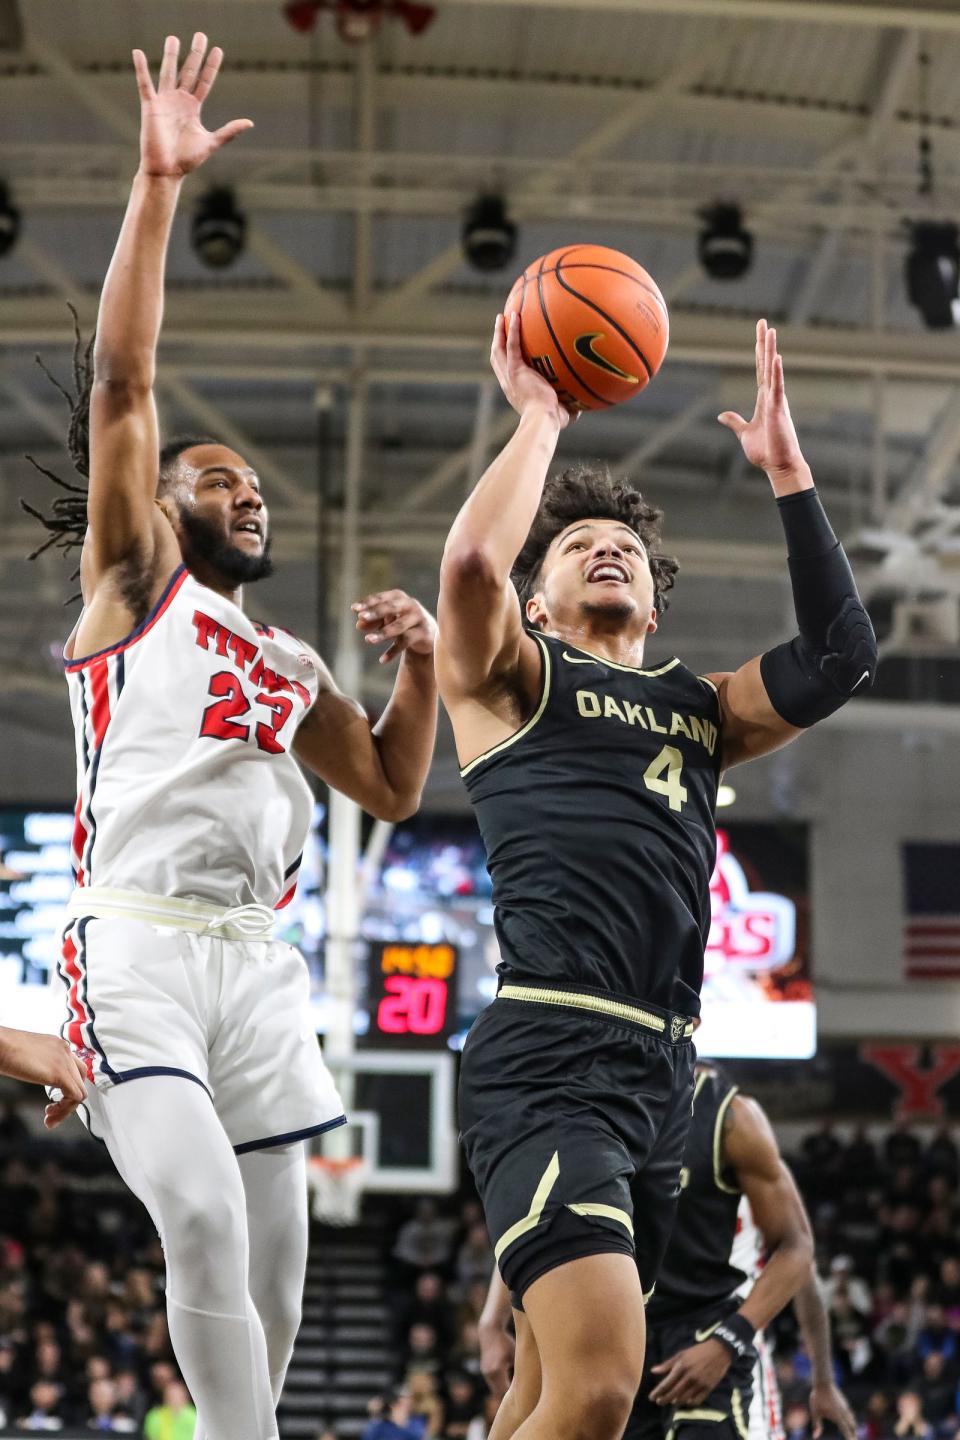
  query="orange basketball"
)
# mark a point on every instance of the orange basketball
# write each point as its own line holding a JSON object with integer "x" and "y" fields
{"x": 593, "y": 323}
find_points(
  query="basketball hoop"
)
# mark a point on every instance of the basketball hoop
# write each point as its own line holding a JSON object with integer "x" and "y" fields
{"x": 336, "y": 1188}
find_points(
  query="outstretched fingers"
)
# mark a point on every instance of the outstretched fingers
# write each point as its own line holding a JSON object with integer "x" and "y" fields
{"x": 142, "y": 71}
{"x": 193, "y": 62}
{"x": 168, "y": 65}
{"x": 230, "y": 131}
{"x": 733, "y": 422}
{"x": 208, "y": 74}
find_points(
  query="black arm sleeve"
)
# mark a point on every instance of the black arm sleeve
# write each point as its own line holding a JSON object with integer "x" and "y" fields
{"x": 835, "y": 652}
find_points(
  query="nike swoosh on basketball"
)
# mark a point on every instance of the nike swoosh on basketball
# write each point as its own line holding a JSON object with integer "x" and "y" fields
{"x": 585, "y": 348}
{"x": 579, "y": 659}
{"x": 701, "y": 1335}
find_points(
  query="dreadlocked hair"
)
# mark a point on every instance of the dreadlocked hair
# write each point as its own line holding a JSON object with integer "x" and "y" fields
{"x": 66, "y": 524}
{"x": 587, "y": 492}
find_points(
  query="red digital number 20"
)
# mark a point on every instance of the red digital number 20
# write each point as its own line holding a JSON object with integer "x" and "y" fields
{"x": 221, "y": 721}
{"x": 412, "y": 1006}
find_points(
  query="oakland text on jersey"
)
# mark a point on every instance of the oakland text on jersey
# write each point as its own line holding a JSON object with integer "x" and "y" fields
{"x": 668, "y": 722}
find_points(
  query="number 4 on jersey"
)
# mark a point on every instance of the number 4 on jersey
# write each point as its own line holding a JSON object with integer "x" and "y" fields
{"x": 671, "y": 761}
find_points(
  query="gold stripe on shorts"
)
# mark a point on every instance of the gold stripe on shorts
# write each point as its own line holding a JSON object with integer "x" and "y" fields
{"x": 618, "y": 1009}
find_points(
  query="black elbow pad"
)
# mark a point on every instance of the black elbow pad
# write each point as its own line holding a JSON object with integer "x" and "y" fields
{"x": 806, "y": 683}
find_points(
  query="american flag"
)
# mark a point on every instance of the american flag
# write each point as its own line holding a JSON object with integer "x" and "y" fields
{"x": 931, "y": 920}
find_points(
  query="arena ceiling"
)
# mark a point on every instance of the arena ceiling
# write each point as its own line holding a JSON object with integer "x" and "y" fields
{"x": 345, "y": 351}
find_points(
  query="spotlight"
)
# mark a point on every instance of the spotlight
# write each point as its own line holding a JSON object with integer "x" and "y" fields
{"x": 933, "y": 272}
{"x": 726, "y": 795}
{"x": 725, "y": 248}
{"x": 489, "y": 235}
{"x": 9, "y": 220}
{"x": 219, "y": 229}
{"x": 359, "y": 20}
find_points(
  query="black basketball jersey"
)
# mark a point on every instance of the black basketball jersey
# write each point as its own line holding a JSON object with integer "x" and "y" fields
{"x": 697, "y": 1268}
{"x": 598, "y": 822}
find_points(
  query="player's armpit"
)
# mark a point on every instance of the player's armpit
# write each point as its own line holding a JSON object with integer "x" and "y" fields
{"x": 750, "y": 1150}
{"x": 750, "y": 726}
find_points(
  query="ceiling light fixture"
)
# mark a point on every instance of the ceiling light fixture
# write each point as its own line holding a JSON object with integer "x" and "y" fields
{"x": 219, "y": 229}
{"x": 489, "y": 235}
{"x": 9, "y": 220}
{"x": 357, "y": 21}
{"x": 725, "y": 248}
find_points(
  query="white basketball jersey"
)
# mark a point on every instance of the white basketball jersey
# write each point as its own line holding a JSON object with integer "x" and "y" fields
{"x": 746, "y": 1253}
{"x": 186, "y": 783}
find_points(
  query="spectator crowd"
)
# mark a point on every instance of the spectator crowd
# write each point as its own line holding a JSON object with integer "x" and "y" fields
{"x": 84, "y": 1344}
{"x": 83, "y": 1336}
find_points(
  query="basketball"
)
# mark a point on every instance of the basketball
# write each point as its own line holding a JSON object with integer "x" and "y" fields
{"x": 592, "y": 322}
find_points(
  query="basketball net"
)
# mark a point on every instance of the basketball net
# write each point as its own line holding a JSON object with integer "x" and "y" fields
{"x": 336, "y": 1188}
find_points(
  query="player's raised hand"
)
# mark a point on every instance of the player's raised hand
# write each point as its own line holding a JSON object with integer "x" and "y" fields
{"x": 769, "y": 439}
{"x": 395, "y": 616}
{"x": 173, "y": 138}
{"x": 523, "y": 386}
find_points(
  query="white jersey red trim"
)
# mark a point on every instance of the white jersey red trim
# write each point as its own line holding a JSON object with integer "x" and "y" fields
{"x": 746, "y": 1254}
{"x": 186, "y": 783}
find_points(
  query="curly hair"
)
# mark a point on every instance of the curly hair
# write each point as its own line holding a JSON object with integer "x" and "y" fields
{"x": 587, "y": 492}
{"x": 66, "y": 524}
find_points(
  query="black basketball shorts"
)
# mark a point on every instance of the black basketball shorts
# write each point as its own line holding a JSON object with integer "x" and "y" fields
{"x": 724, "y": 1414}
{"x": 574, "y": 1110}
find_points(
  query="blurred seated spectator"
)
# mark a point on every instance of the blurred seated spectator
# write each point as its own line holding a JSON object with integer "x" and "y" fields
{"x": 474, "y": 1258}
{"x": 460, "y": 1405}
{"x": 104, "y": 1412}
{"x": 391, "y": 1418}
{"x": 429, "y": 1305}
{"x": 876, "y": 1424}
{"x": 860, "y": 1156}
{"x": 129, "y": 1398}
{"x": 796, "y": 1422}
{"x": 901, "y": 1146}
{"x": 822, "y": 1149}
{"x": 843, "y": 1280}
{"x": 426, "y": 1241}
{"x": 941, "y": 1156}
{"x": 425, "y": 1403}
{"x": 465, "y": 1354}
{"x": 175, "y": 1419}
{"x": 947, "y": 1288}
{"x": 937, "y": 1387}
{"x": 422, "y": 1351}
{"x": 911, "y": 1421}
{"x": 937, "y": 1336}
{"x": 46, "y": 1408}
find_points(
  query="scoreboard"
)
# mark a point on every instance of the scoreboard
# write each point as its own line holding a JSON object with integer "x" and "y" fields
{"x": 412, "y": 995}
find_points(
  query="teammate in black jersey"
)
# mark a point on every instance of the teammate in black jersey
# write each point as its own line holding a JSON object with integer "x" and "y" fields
{"x": 594, "y": 781}
{"x": 695, "y": 1385}
{"x": 704, "y": 1318}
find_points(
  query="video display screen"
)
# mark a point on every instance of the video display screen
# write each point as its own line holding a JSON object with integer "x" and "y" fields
{"x": 432, "y": 888}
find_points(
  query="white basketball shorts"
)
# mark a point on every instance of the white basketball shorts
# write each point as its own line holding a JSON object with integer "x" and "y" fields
{"x": 170, "y": 987}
